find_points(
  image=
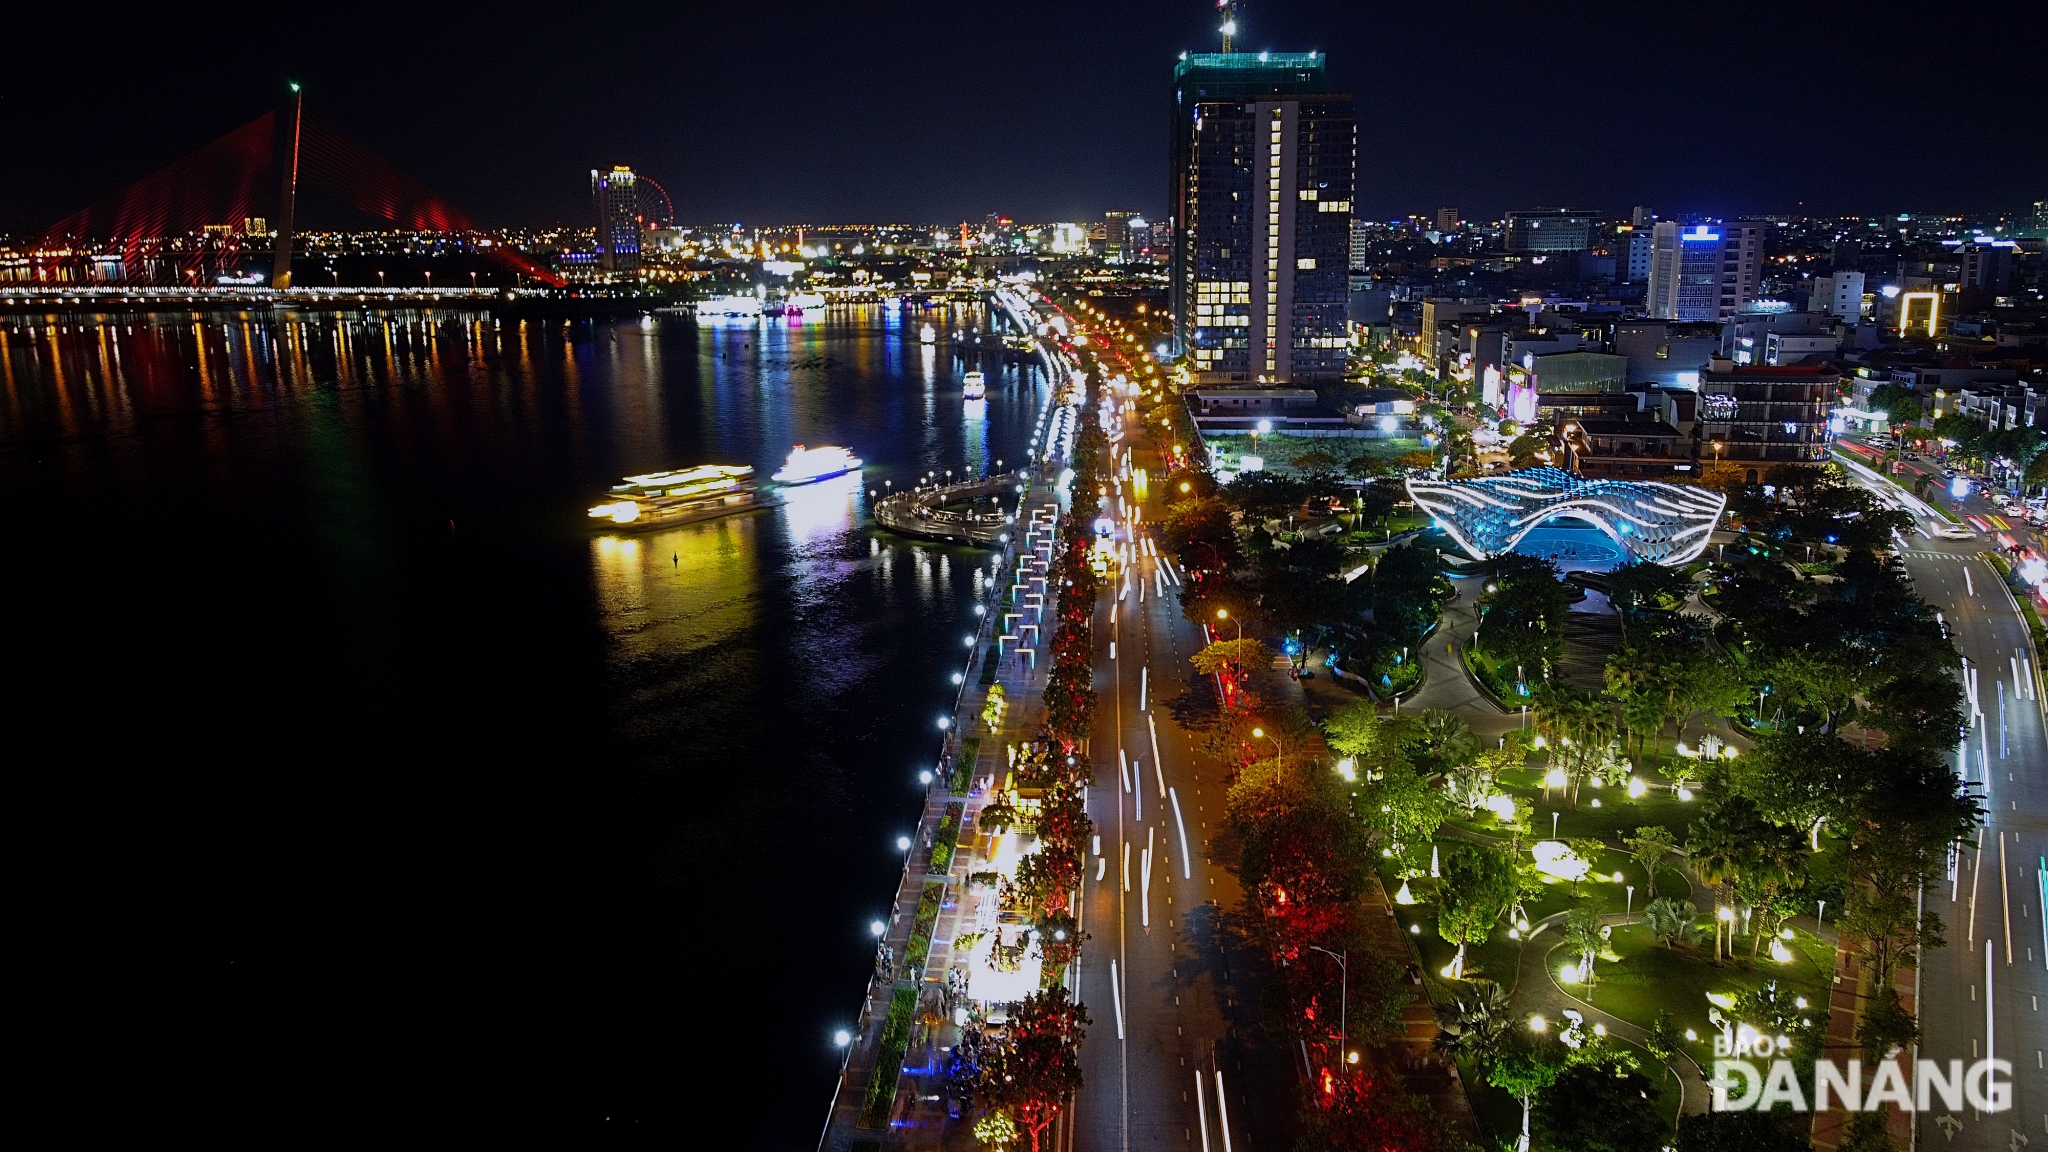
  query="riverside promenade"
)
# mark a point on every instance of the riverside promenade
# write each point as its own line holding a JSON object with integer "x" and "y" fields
{"x": 890, "y": 1092}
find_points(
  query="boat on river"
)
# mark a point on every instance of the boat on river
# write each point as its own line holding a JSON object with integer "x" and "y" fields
{"x": 684, "y": 496}
{"x": 730, "y": 306}
{"x": 810, "y": 465}
{"x": 974, "y": 385}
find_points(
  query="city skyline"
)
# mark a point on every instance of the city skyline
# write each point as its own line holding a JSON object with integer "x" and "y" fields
{"x": 1502, "y": 110}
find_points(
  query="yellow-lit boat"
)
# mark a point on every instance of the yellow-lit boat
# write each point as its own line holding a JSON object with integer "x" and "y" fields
{"x": 685, "y": 496}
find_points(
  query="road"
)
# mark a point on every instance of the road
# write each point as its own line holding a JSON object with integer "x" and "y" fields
{"x": 1178, "y": 1024}
{"x": 1992, "y": 905}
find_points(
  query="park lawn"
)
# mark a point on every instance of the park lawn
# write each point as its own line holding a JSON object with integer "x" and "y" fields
{"x": 1605, "y": 894}
{"x": 1650, "y": 978}
{"x": 1280, "y": 450}
{"x": 1618, "y": 815}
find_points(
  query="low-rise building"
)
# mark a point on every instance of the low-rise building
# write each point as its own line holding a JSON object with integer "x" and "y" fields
{"x": 1247, "y": 409}
{"x": 1755, "y": 417}
{"x": 1839, "y": 294}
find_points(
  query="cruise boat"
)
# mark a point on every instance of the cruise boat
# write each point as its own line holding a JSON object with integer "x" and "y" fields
{"x": 974, "y": 386}
{"x": 810, "y": 465}
{"x": 730, "y": 306}
{"x": 663, "y": 499}
{"x": 925, "y": 335}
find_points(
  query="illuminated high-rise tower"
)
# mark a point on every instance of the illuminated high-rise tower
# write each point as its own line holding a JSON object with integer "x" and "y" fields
{"x": 1262, "y": 161}
{"x": 616, "y": 197}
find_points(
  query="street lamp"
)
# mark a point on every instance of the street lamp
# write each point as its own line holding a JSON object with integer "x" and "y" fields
{"x": 1224, "y": 614}
{"x": 1278, "y": 751}
{"x": 1343, "y": 991}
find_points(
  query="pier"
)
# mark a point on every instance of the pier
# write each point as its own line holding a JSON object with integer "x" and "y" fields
{"x": 935, "y": 514}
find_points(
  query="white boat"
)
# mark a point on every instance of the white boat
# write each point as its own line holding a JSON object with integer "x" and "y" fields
{"x": 925, "y": 335}
{"x": 730, "y": 306}
{"x": 810, "y": 465}
{"x": 974, "y": 386}
{"x": 664, "y": 499}
{"x": 805, "y": 300}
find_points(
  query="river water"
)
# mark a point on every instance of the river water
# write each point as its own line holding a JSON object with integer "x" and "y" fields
{"x": 367, "y": 782}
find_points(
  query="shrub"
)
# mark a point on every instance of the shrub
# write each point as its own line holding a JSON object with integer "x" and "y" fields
{"x": 889, "y": 1059}
{"x": 943, "y": 843}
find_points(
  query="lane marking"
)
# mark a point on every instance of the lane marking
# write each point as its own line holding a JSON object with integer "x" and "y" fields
{"x": 1116, "y": 990}
{"x": 1222, "y": 1111}
{"x": 1185, "y": 867}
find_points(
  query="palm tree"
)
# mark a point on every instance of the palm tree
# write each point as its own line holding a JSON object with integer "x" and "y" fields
{"x": 1720, "y": 850}
{"x": 1672, "y": 920}
{"x": 1447, "y": 739}
{"x": 1596, "y": 730}
{"x": 1474, "y": 1023}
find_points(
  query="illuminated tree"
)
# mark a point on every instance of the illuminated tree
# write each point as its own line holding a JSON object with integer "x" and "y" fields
{"x": 1526, "y": 1065}
{"x": 1035, "y": 1069}
{"x": 1478, "y": 885}
{"x": 1232, "y": 658}
{"x": 1647, "y": 848}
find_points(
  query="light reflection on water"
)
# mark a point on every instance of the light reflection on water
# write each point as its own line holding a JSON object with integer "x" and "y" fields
{"x": 826, "y": 508}
{"x": 322, "y": 521}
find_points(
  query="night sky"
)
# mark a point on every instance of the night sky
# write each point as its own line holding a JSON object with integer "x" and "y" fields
{"x": 927, "y": 110}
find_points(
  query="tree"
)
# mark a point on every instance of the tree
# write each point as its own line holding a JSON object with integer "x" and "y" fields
{"x": 1584, "y": 932}
{"x": 1825, "y": 682}
{"x": 1647, "y": 848}
{"x": 1265, "y": 495}
{"x": 1662, "y": 1038}
{"x": 1401, "y": 804}
{"x": 1526, "y": 1065}
{"x": 1036, "y": 1067}
{"x": 1368, "y": 467}
{"x": 1442, "y": 740}
{"x": 1232, "y": 658}
{"x": 1741, "y": 1132}
{"x": 1523, "y": 612}
{"x": 1722, "y": 845}
{"x": 1359, "y": 731}
{"x": 1920, "y": 710}
{"x": 1199, "y": 531}
{"x": 1672, "y": 921}
{"x": 1595, "y": 1108}
{"x": 1642, "y": 586}
{"x": 1532, "y": 447}
{"x": 1796, "y": 778}
{"x": 1407, "y": 594}
{"x": 1900, "y": 405}
{"x": 1478, "y": 884}
{"x": 1474, "y": 1023}
{"x": 1299, "y": 843}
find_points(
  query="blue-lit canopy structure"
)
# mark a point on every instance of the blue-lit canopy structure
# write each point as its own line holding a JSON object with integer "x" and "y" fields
{"x": 1647, "y": 520}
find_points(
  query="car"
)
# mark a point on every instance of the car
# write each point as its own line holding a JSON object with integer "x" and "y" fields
{"x": 1955, "y": 532}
